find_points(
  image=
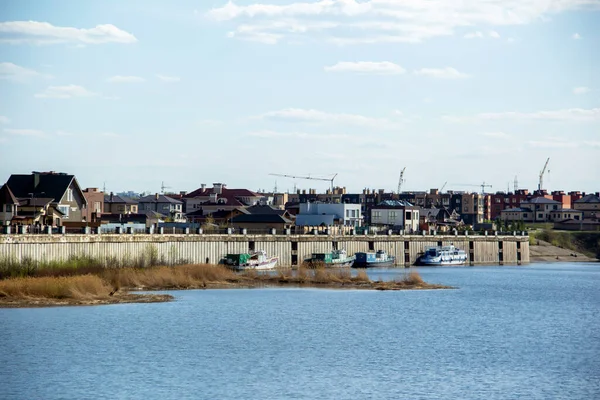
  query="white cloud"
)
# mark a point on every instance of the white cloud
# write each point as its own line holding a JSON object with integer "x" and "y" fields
{"x": 24, "y": 132}
{"x": 315, "y": 116}
{"x": 266, "y": 134}
{"x": 169, "y": 79}
{"x": 571, "y": 114}
{"x": 473, "y": 35}
{"x": 499, "y": 135}
{"x": 65, "y": 92}
{"x": 17, "y": 32}
{"x": 125, "y": 79}
{"x": 379, "y": 21}
{"x": 591, "y": 143}
{"x": 4, "y": 120}
{"x": 441, "y": 73}
{"x": 494, "y": 34}
{"x": 581, "y": 90}
{"x": 13, "y": 72}
{"x": 576, "y": 36}
{"x": 63, "y": 133}
{"x": 367, "y": 67}
{"x": 553, "y": 144}
{"x": 110, "y": 134}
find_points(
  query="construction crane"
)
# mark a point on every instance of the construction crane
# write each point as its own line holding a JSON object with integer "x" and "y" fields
{"x": 541, "y": 182}
{"x": 163, "y": 187}
{"x": 443, "y": 186}
{"x": 482, "y": 185}
{"x": 309, "y": 178}
{"x": 401, "y": 180}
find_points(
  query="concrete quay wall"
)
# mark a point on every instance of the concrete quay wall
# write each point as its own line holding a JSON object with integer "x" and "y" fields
{"x": 291, "y": 249}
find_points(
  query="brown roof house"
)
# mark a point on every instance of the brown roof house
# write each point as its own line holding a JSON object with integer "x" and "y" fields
{"x": 8, "y": 205}
{"x": 589, "y": 204}
{"x": 59, "y": 192}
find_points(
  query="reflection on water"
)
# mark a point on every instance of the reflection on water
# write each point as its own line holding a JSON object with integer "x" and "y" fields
{"x": 506, "y": 333}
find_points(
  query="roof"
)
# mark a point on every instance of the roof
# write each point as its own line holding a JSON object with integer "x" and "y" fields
{"x": 265, "y": 210}
{"x": 7, "y": 196}
{"x": 225, "y": 192}
{"x": 590, "y": 198}
{"x": 161, "y": 198}
{"x": 118, "y": 199}
{"x": 260, "y": 218}
{"x": 540, "y": 200}
{"x": 395, "y": 203}
{"x": 51, "y": 185}
{"x": 214, "y": 214}
{"x": 35, "y": 202}
{"x": 515, "y": 209}
{"x": 566, "y": 210}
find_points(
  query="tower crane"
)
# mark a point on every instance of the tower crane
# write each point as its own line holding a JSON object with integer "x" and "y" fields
{"x": 163, "y": 187}
{"x": 482, "y": 185}
{"x": 443, "y": 186}
{"x": 309, "y": 178}
{"x": 401, "y": 180}
{"x": 541, "y": 182}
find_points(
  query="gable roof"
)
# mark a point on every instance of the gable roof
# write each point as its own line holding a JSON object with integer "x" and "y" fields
{"x": 6, "y": 196}
{"x": 261, "y": 218}
{"x": 115, "y": 199}
{"x": 590, "y": 198}
{"x": 258, "y": 209}
{"x": 161, "y": 198}
{"x": 50, "y": 184}
{"x": 540, "y": 200}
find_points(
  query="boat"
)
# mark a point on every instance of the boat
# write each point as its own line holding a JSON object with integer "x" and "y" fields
{"x": 443, "y": 255}
{"x": 255, "y": 260}
{"x": 335, "y": 259}
{"x": 374, "y": 259}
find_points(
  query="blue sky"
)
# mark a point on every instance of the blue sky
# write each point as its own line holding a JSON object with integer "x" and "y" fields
{"x": 130, "y": 94}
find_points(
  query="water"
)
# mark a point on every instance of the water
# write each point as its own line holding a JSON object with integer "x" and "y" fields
{"x": 507, "y": 333}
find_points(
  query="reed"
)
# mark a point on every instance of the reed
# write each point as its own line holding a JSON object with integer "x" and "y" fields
{"x": 84, "y": 287}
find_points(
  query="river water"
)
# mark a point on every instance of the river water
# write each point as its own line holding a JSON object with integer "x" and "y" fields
{"x": 529, "y": 332}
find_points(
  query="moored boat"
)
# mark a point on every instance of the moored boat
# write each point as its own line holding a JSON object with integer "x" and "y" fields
{"x": 374, "y": 259}
{"x": 443, "y": 255}
{"x": 255, "y": 260}
{"x": 337, "y": 259}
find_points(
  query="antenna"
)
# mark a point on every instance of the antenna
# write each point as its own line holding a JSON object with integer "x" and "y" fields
{"x": 516, "y": 184}
{"x": 275, "y": 188}
{"x": 104, "y": 188}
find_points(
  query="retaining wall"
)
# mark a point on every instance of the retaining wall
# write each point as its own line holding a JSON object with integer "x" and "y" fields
{"x": 291, "y": 249}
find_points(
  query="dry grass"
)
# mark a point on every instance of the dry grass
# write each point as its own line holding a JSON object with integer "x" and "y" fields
{"x": 72, "y": 287}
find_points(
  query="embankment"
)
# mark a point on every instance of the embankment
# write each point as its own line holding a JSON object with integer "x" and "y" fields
{"x": 549, "y": 245}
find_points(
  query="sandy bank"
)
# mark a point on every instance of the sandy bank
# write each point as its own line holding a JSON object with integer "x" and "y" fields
{"x": 545, "y": 252}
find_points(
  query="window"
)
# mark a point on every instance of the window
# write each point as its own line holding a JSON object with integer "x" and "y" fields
{"x": 540, "y": 215}
{"x": 165, "y": 207}
{"x": 376, "y": 214}
{"x": 347, "y": 213}
{"x": 69, "y": 194}
{"x": 64, "y": 210}
{"x": 497, "y": 200}
{"x": 525, "y": 215}
{"x": 408, "y": 215}
{"x": 392, "y": 215}
{"x": 97, "y": 206}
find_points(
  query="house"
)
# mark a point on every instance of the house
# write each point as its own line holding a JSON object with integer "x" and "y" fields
{"x": 163, "y": 205}
{"x": 589, "y": 205}
{"x": 148, "y": 218}
{"x": 540, "y": 207}
{"x": 8, "y": 205}
{"x": 438, "y": 219}
{"x": 261, "y": 222}
{"x": 38, "y": 211}
{"x": 565, "y": 214}
{"x": 397, "y": 214}
{"x": 219, "y": 198}
{"x": 516, "y": 214}
{"x": 217, "y": 218}
{"x": 327, "y": 214}
{"x": 587, "y": 224}
{"x": 62, "y": 189}
{"x": 95, "y": 201}
{"x": 115, "y": 204}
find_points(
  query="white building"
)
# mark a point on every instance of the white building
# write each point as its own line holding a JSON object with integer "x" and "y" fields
{"x": 315, "y": 214}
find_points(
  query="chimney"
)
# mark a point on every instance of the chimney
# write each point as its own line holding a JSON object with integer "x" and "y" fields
{"x": 36, "y": 179}
{"x": 182, "y": 193}
{"x": 203, "y": 186}
{"x": 111, "y": 197}
{"x": 217, "y": 188}
{"x": 213, "y": 197}
{"x": 156, "y": 196}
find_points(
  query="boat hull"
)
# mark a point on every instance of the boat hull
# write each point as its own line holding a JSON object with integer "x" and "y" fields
{"x": 380, "y": 264}
{"x": 269, "y": 264}
{"x": 433, "y": 263}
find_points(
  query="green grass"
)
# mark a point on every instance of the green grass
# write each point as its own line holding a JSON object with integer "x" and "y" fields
{"x": 587, "y": 243}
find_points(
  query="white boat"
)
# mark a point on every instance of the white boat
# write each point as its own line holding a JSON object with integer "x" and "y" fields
{"x": 255, "y": 260}
{"x": 337, "y": 258}
{"x": 443, "y": 255}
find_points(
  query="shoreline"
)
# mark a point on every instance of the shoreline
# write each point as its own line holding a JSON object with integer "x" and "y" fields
{"x": 119, "y": 286}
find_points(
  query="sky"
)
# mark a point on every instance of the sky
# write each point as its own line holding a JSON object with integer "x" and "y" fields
{"x": 128, "y": 95}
